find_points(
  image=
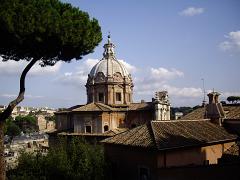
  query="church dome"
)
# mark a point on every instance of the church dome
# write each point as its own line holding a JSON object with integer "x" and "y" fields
{"x": 109, "y": 68}
{"x": 109, "y": 81}
{"x": 109, "y": 65}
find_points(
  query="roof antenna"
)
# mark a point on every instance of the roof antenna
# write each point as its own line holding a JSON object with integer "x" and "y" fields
{"x": 204, "y": 92}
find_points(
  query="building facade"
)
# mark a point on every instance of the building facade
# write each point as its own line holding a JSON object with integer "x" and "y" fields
{"x": 110, "y": 101}
{"x": 149, "y": 150}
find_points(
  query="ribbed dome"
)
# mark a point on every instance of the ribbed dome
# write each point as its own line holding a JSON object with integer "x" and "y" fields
{"x": 109, "y": 68}
{"x": 109, "y": 65}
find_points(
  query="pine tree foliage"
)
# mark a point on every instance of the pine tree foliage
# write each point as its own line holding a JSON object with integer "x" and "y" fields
{"x": 47, "y": 30}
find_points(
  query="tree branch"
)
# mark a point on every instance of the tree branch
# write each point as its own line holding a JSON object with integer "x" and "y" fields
{"x": 8, "y": 111}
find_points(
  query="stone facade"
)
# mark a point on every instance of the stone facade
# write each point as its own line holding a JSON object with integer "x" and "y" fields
{"x": 162, "y": 106}
{"x": 43, "y": 124}
{"x": 96, "y": 123}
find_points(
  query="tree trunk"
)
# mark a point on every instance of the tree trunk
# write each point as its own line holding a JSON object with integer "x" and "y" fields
{"x": 2, "y": 159}
{"x": 7, "y": 113}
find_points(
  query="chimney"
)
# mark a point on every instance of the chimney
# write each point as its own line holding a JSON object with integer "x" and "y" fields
{"x": 214, "y": 110}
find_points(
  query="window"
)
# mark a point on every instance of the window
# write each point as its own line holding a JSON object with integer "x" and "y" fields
{"x": 144, "y": 173}
{"x": 88, "y": 129}
{"x": 105, "y": 128}
{"x": 118, "y": 97}
{"x": 133, "y": 125}
{"x": 100, "y": 97}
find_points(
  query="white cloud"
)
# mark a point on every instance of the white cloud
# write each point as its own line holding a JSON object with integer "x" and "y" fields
{"x": 38, "y": 70}
{"x": 15, "y": 95}
{"x": 191, "y": 11}
{"x": 79, "y": 77}
{"x": 10, "y": 67}
{"x": 232, "y": 43}
{"x": 190, "y": 92}
{"x": 227, "y": 94}
{"x": 16, "y": 67}
{"x": 155, "y": 79}
{"x": 129, "y": 67}
{"x": 89, "y": 63}
{"x": 163, "y": 73}
{"x": 145, "y": 88}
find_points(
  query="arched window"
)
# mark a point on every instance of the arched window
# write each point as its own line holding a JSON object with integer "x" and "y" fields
{"x": 105, "y": 128}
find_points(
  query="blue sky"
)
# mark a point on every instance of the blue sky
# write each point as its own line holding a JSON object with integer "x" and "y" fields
{"x": 166, "y": 45}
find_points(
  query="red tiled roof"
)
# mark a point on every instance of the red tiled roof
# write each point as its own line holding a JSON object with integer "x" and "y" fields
{"x": 93, "y": 107}
{"x": 162, "y": 135}
{"x": 231, "y": 112}
{"x": 140, "y": 106}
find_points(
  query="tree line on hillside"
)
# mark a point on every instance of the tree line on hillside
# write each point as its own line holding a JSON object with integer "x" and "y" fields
{"x": 25, "y": 124}
{"x": 68, "y": 161}
{"x": 233, "y": 99}
{"x": 185, "y": 110}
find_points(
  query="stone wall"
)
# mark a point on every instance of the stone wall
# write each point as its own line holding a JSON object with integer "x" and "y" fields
{"x": 62, "y": 122}
{"x": 82, "y": 120}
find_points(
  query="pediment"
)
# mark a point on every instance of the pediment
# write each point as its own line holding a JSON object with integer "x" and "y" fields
{"x": 117, "y": 77}
{"x": 100, "y": 77}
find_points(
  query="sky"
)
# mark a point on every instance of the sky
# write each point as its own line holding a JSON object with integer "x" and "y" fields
{"x": 165, "y": 44}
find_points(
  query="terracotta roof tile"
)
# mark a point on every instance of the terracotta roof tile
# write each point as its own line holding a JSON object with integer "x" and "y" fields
{"x": 140, "y": 106}
{"x": 116, "y": 131}
{"x": 162, "y": 135}
{"x": 93, "y": 107}
{"x": 139, "y": 136}
{"x": 231, "y": 112}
